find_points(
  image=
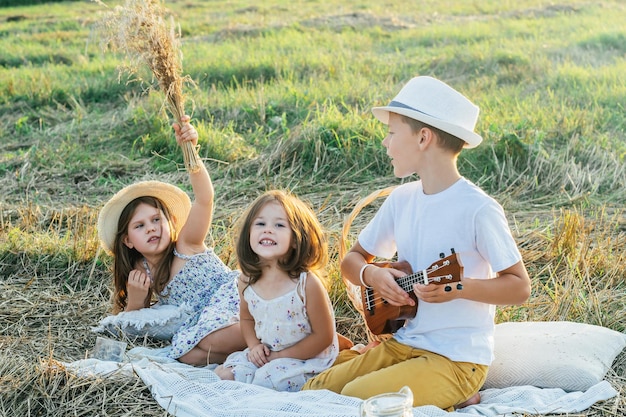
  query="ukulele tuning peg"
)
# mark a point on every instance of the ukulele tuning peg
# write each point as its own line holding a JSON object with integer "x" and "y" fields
{"x": 452, "y": 250}
{"x": 459, "y": 286}
{"x": 442, "y": 255}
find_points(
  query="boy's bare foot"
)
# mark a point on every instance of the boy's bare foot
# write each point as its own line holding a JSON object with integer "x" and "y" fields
{"x": 474, "y": 399}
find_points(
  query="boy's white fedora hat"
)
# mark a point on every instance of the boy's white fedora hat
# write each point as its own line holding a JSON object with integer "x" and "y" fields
{"x": 435, "y": 103}
{"x": 176, "y": 200}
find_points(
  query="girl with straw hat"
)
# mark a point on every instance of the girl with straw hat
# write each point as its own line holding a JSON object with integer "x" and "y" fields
{"x": 157, "y": 238}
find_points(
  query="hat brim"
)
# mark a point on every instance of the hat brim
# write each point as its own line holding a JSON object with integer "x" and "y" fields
{"x": 176, "y": 200}
{"x": 470, "y": 138}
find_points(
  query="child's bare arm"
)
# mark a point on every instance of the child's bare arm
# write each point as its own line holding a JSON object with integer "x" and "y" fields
{"x": 510, "y": 287}
{"x": 258, "y": 352}
{"x": 322, "y": 324}
{"x": 382, "y": 279}
{"x": 196, "y": 228}
{"x": 247, "y": 321}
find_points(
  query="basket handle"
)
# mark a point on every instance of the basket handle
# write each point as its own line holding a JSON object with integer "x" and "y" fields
{"x": 343, "y": 246}
{"x": 354, "y": 291}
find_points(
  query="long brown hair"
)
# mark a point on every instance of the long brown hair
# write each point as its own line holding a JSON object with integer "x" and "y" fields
{"x": 126, "y": 259}
{"x": 310, "y": 248}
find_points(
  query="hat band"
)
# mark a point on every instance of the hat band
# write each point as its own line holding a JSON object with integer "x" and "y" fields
{"x": 394, "y": 103}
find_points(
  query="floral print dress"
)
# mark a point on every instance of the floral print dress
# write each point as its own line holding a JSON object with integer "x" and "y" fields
{"x": 207, "y": 289}
{"x": 279, "y": 323}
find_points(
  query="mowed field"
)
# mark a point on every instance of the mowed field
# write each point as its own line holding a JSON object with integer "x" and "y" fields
{"x": 281, "y": 93}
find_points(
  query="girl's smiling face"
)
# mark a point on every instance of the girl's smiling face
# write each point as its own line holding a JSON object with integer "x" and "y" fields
{"x": 148, "y": 231}
{"x": 270, "y": 232}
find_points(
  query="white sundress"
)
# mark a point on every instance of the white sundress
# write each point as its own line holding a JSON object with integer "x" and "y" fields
{"x": 279, "y": 323}
{"x": 208, "y": 289}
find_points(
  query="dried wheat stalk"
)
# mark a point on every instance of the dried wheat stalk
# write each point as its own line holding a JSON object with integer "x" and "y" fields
{"x": 140, "y": 30}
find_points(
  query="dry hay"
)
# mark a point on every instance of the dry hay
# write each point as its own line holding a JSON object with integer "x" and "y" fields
{"x": 46, "y": 388}
{"x": 47, "y": 307}
{"x": 51, "y": 297}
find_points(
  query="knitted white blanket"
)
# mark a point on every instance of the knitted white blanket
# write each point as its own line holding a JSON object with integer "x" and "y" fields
{"x": 186, "y": 391}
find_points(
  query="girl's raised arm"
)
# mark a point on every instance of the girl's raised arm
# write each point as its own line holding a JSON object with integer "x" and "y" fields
{"x": 194, "y": 232}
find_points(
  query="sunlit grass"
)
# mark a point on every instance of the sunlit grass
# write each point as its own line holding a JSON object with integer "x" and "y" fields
{"x": 281, "y": 96}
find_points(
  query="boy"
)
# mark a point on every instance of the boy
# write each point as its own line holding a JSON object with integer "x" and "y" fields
{"x": 443, "y": 353}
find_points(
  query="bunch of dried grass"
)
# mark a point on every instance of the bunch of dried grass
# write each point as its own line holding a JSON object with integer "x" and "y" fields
{"x": 139, "y": 28}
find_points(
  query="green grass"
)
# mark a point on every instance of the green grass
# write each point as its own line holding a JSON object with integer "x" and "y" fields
{"x": 281, "y": 94}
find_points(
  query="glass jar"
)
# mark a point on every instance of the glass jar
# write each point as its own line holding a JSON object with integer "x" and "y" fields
{"x": 393, "y": 404}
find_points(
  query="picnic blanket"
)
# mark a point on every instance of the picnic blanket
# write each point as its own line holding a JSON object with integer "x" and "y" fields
{"x": 187, "y": 391}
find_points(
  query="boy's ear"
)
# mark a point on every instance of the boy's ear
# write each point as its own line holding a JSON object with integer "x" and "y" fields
{"x": 426, "y": 136}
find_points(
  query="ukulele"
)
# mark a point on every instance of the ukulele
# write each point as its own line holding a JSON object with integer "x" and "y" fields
{"x": 382, "y": 317}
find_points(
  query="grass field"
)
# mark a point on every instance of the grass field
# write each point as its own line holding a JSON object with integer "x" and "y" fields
{"x": 280, "y": 93}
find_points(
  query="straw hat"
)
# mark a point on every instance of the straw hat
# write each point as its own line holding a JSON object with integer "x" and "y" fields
{"x": 435, "y": 103}
{"x": 175, "y": 199}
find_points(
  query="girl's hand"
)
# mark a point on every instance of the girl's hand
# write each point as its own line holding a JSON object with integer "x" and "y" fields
{"x": 259, "y": 355}
{"x": 185, "y": 132}
{"x": 137, "y": 286}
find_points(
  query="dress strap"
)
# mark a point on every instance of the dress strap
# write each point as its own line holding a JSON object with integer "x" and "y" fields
{"x": 301, "y": 287}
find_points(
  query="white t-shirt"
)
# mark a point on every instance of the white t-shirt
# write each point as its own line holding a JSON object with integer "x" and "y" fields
{"x": 419, "y": 227}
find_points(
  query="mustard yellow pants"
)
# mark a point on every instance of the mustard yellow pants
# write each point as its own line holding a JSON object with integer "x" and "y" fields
{"x": 434, "y": 379}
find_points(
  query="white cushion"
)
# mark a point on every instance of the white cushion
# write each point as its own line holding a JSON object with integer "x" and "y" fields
{"x": 159, "y": 322}
{"x": 561, "y": 354}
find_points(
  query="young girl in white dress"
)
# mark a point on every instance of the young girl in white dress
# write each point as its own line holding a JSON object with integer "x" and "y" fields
{"x": 287, "y": 319}
{"x": 157, "y": 238}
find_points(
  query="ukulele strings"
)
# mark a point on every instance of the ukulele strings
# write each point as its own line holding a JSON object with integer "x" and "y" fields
{"x": 411, "y": 279}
